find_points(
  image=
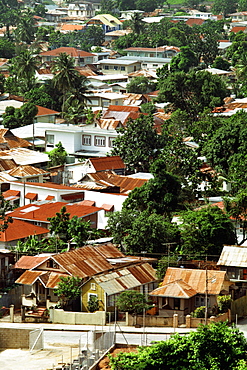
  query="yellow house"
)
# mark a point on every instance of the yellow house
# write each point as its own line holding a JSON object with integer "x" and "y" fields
{"x": 107, "y": 286}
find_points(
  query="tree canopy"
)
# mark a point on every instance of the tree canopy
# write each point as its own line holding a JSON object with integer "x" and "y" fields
{"x": 138, "y": 143}
{"x": 214, "y": 346}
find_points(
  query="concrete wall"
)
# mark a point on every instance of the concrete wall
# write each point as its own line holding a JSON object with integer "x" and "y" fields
{"x": 58, "y": 316}
{"x": 14, "y": 338}
{"x": 149, "y": 321}
{"x": 14, "y": 296}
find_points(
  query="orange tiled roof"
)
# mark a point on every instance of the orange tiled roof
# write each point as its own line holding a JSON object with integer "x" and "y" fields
{"x": 45, "y": 111}
{"x": 40, "y": 212}
{"x": 68, "y": 50}
{"x": 71, "y": 27}
{"x": 20, "y": 229}
{"x": 237, "y": 29}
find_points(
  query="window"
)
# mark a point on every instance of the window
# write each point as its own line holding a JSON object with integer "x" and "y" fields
{"x": 99, "y": 140}
{"x": 50, "y": 141}
{"x": 122, "y": 68}
{"x": 176, "y": 304}
{"x": 115, "y": 68}
{"x": 86, "y": 139}
{"x": 200, "y": 300}
{"x": 93, "y": 286}
{"x": 111, "y": 141}
{"x": 155, "y": 65}
{"x": 92, "y": 295}
{"x": 33, "y": 179}
{"x": 106, "y": 67}
{"x": 52, "y": 264}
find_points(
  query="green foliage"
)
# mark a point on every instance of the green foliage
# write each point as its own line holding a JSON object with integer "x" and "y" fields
{"x": 224, "y": 303}
{"x": 159, "y": 194}
{"x": 58, "y": 155}
{"x": 80, "y": 231}
{"x": 149, "y": 232}
{"x": 31, "y": 247}
{"x": 221, "y": 63}
{"x": 132, "y": 301}
{"x": 40, "y": 96}
{"x": 226, "y": 149}
{"x": 211, "y": 347}
{"x": 199, "y": 312}
{"x": 171, "y": 260}
{"x": 68, "y": 288}
{"x": 59, "y": 224}
{"x": 93, "y": 304}
{"x": 184, "y": 61}
{"x": 224, "y": 7}
{"x": 148, "y": 108}
{"x": 205, "y": 231}
{"x": 5, "y": 207}
{"x": 140, "y": 85}
{"x": 17, "y": 117}
{"x": 7, "y": 48}
{"x": 192, "y": 92}
{"x": 139, "y": 144}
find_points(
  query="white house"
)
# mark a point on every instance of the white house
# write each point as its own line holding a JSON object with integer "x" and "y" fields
{"x": 81, "y": 141}
{"x": 81, "y": 10}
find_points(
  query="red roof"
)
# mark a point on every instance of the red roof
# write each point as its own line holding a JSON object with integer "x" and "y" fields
{"x": 45, "y": 111}
{"x": 49, "y": 197}
{"x": 107, "y": 163}
{"x": 190, "y": 22}
{"x": 76, "y": 53}
{"x": 20, "y": 229}
{"x": 40, "y": 212}
{"x": 237, "y": 29}
{"x": 31, "y": 196}
{"x": 71, "y": 27}
{"x": 87, "y": 203}
{"x": 123, "y": 108}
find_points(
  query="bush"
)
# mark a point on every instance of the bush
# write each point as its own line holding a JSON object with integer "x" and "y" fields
{"x": 199, "y": 312}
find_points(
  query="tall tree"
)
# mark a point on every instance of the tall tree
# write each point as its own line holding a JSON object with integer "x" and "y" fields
{"x": 24, "y": 66}
{"x": 224, "y": 7}
{"x": 136, "y": 23}
{"x": 138, "y": 143}
{"x": 192, "y": 92}
{"x": 9, "y": 14}
{"x": 205, "y": 231}
{"x": 25, "y": 30}
{"x": 66, "y": 76}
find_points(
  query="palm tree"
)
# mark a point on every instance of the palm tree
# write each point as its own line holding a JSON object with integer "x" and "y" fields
{"x": 25, "y": 65}
{"x": 25, "y": 28}
{"x": 79, "y": 91}
{"x": 66, "y": 76}
{"x": 136, "y": 23}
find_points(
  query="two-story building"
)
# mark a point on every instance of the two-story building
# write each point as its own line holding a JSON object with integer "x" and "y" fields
{"x": 107, "y": 21}
{"x": 81, "y": 57}
{"x": 83, "y": 10}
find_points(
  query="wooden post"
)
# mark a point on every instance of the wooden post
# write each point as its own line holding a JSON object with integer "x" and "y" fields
{"x": 11, "y": 312}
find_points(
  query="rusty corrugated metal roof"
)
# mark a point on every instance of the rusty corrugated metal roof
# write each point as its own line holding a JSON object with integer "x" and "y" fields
{"x": 110, "y": 179}
{"x": 107, "y": 163}
{"x": 29, "y": 262}
{"x": 83, "y": 262}
{"x": 196, "y": 279}
{"x": 234, "y": 256}
{"x": 26, "y": 170}
{"x": 175, "y": 289}
{"x": 109, "y": 251}
{"x": 13, "y": 141}
{"x": 51, "y": 279}
{"x": 125, "y": 278}
{"x": 7, "y": 164}
{"x": 29, "y": 277}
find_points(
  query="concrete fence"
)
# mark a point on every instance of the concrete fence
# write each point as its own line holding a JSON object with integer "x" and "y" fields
{"x": 59, "y": 316}
{"x": 191, "y": 322}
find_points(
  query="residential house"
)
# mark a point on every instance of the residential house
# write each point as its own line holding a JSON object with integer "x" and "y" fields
{"x": 104, "y": 99}
{"x": 55, "y": 15}
{"x": 113, "y": 163}
{"x": 8, "y": 140}
{"x": 82, "y": 10}
{"x": 128, "y": 14}
{"x": 233, "y": 260}
{"x": 7, "y": 260}
{"x": 82, "y": 141}
{"x": 24, "y": 156}
{"x": 149, "y": 63}
{"x": 103, "y": 81}
{"x": 81, "y": 57}
{"x": 20, "y": 230}
{"x": 107, "y": 21}
{"x": 44, "y": 192}
{"x": 114, "y": 35}
{"x": 28, "y": 174}
{"x": 104, "y": 180}
{"x": 43, "y": 273}
{"x": 37, "y": 213}
{"x": 108, "y": 285}
{"x": 183, "y": 290}
{"x": 119, "y": 65}
{"x": 238, "y": 16}
{"x": 159, "y": 52}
